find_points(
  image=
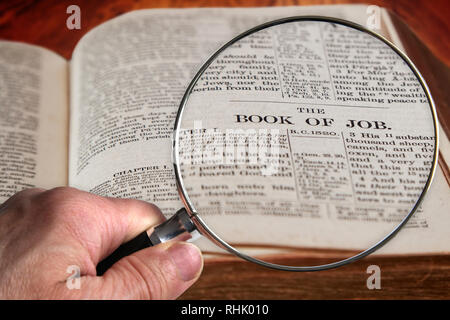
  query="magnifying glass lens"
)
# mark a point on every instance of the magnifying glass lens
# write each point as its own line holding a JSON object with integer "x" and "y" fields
{"x": 306, "y": 137}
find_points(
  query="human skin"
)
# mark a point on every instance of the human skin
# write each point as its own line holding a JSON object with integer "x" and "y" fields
{"x": 46, "y": 234}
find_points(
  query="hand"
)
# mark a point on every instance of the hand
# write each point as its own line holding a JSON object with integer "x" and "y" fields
{"x": 46, "y": 236}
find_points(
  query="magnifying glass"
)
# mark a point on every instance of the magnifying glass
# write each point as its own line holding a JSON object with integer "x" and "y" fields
{"x": 303, "y": 134}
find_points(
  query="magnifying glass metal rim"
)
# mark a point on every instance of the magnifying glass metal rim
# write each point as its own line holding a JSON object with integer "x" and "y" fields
{"x": 211, "y": 235}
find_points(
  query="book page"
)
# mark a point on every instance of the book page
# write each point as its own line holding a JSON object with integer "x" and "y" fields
{"x": 338, "y": 180}
{"x": 33, "y": 121}
{"x": 127, "y": 79}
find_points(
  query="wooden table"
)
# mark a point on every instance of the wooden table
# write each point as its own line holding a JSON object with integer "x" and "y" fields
{"x": 42, "y": 22}
{"x": 421, "y": 277}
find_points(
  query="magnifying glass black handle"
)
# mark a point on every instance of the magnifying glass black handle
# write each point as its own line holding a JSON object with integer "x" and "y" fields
{"x": 178, "y": 226}
{"x": 142, "y": 241}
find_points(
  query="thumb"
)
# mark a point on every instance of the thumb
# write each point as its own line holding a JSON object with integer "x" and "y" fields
{"x": 161, "y": 272}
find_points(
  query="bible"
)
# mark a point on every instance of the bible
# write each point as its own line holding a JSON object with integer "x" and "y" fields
{"x": 102, "y": 122}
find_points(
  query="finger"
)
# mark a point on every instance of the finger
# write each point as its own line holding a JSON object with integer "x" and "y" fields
{"x": 161, "y": 272}
{"x": 16, "y": 198}
{"x": 95, "y": 224}
{"x": 140, "y": 216}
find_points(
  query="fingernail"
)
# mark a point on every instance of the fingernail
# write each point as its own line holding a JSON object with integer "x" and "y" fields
{"x": 187, "y": 259}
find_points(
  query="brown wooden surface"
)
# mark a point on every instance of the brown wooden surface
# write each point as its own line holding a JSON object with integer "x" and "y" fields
{"x": 418, "y": 277}
{"x": 43, "y": 22}
{"x": 401, "y": 278}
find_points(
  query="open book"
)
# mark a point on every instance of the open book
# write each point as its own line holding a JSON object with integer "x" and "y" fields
{"x": 103, "y": 121}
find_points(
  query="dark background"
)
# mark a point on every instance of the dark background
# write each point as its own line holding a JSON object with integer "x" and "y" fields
{"x": 43, "y": 22}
